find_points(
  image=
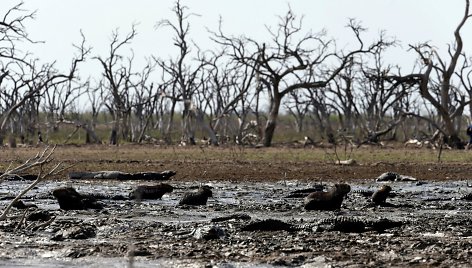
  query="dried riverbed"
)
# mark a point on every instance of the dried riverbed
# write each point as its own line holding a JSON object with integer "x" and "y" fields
{"x": 435, "y": 228}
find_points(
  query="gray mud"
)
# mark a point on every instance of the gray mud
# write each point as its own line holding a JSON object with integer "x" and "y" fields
{"x": 436, "y": 228}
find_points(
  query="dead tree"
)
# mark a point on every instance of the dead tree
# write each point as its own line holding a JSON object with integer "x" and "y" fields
{"x": 381, "y": 101}
{"x": 62, "y": 104}
{"x": 465, "y": 77}
{"x": 124, "y": 90}
{"x": 439, "y": 91}
{"x": 227, "y": 91}
{"x": 293, "y": 61}
{"x": 13, "y": 31}
{"x": 95, "y": 101}
{"x": 58, "y": 104}
{"x": 96, "y": 104}
{"x": 12, "y": 62}
{"x": 298, "y": 107}
{"x": 343, "y": 96}
{"x": 143, "y": 102}
{"x": 183, "y": 74}
{"x": 22, "y": 78}
{"x": 117, "y": 76}
{"x": 321, "y": 112}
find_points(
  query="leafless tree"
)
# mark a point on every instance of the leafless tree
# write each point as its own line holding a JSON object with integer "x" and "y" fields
{"x": 95, "y": 101}
{"x": 12, "y": 62}
{"x": 228, "y": 91}
{"x": 298, "y": 106}
{"x": 182, "y": 74}
{"x": 65, "y": 101}
{"x": 165, "y": 107}
{"x": 117, "y": 73}
{"x": 145, "y": 102}
{"x": 435, "y": 83}
{"x": 58, "y": 102}
{"x": 294, "y": 60}
{"x": 23, "y": 79}
{"x": 465, "y": 77}
{"x": 381, "y": 101}
{"x": 321, "y": 111}
{"x": 343, "y": 96}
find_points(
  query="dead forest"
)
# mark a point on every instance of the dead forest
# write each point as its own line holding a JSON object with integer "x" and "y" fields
{"x": 241, "y": 93}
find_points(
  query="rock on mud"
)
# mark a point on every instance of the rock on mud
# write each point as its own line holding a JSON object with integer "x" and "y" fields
{"x": 209, "y": 232}
{"x": 82, "y": 231}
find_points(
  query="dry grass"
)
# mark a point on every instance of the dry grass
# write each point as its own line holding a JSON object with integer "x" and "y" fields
{"x": 152, "y": 153}
{"x": 255, "y": 164}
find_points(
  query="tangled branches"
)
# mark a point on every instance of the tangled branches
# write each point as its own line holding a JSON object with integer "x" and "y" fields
{"x": 41, "y": 160}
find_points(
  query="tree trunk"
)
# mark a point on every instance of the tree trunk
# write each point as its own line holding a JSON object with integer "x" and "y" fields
{"x": 126, "y": 126}
{"x": 271, "y": 121}
{"x": 170, "y": 124}
{"x": 188, "y": 131}
{"x": 454, "y": 141}
{"x": 91, "y": 134}
{"x": 113, "y": 137}
{"x": 199, "y": 116}
{"x": 12, "y": 141}
{"x": 299, "y": 123}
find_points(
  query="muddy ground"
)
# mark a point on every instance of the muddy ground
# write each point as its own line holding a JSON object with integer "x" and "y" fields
{"x": 430, "y": 223}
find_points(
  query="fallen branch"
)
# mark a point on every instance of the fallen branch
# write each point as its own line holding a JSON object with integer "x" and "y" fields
{"x": 39, "y": 160}
{"x": 22, "y": 220}
{"x": 35, "y": 226}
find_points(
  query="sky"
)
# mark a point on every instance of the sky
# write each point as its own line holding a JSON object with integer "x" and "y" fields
{"x": 58, "y": 23}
